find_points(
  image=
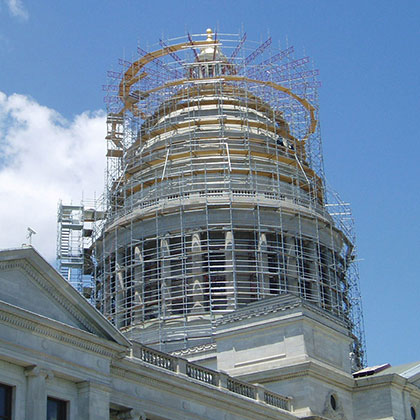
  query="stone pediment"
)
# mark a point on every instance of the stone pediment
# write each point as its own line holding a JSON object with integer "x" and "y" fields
{"x": 29, "y": 282}
{"x": 412, "y": 373}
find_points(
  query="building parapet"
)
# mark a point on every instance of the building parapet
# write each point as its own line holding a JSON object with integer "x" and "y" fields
{"x": 211, "y": 377}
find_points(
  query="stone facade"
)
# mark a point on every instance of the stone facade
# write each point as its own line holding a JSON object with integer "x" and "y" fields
{"x": 280, "y": 358}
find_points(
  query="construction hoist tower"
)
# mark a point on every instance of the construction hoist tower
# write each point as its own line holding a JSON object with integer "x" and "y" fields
{"x": 216, "y": 195}
{"x": 76, "y": 225}
{"x": 70, "y": 243}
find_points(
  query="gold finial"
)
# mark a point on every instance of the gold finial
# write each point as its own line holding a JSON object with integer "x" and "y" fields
{"x": 209, "y": 34}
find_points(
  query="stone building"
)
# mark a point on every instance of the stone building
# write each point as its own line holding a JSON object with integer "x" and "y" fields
{"x": 224, "y": 283}
{"x": 216, "y": 196}
{"x": 279, "y": 358}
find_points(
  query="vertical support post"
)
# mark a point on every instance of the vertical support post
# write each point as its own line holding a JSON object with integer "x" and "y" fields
{"x": 93, "y": 401}
{"x": 291, "y": 265}
{"x": 164, "y": 167}
{"x": 263, "y": 277}
{"x": 165, "y": 272}
{"x": 228, "y": 156}
{"x": 138, "y": 286}
{"x": 36, "y": 393}
{"x": 197, "y": 270}
{"x": 230, "y": 286}
{"x": 120, "y": 309}
{"x": 260, "y": 393}
{"x": 314, "y": 273}
{"x": 181, "y": 366}
{"x": 223, "y": 380}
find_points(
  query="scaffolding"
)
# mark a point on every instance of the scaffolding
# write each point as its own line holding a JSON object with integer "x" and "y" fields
{"x": 215, "y": 193}
{"x": 77, "y": 225}
{"x": 69, "y": 243}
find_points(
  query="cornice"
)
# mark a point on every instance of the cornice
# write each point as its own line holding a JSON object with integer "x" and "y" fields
{"x": 310, "y": 368}
{"x": 195, "y": 349}
{"x": 35, "y": 325}
{"x": 253, "y": 312}
{"x": 23, "y": 266}
{"x": 390, "y": 379}
{"x": 277, "y": 304}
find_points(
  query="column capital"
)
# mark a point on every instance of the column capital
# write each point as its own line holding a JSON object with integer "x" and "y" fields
{"x": 132, "y": 414}
{"x": 37, "y": 371}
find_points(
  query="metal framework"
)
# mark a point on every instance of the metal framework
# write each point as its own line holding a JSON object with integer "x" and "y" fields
{"x": 77, "y": 225}
{"x": 70, "y": 243}
{"x": 216, "y": 193}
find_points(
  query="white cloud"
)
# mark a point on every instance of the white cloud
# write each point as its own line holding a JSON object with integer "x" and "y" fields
{"x": 17, "y": 9}
{"x": 44, "y": 158}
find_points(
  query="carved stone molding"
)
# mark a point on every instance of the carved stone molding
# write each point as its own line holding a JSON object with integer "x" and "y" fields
{"x": 255, "y": 312}
{"x": 23, "y": 266}
{"x": 278, "y": 304}
{"x": 195, "y": 349}
{"x": 59, "y": 335}
{"x": 132, "y": 414}
{"x": 135, "y": 376}
{"x": 37, "y": 371}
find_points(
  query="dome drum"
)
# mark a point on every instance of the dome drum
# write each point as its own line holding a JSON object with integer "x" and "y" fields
{"x": 216, "y": 195}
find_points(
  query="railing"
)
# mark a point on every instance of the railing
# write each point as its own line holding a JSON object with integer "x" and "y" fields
{"x": 211, "y": 377}
{"x": 241, "y": 388}
{"x": 276, "y": 400}
{"x": 201, "y": 374}
{"x": 156, "y": 197}
{"x": 156, "y": 358}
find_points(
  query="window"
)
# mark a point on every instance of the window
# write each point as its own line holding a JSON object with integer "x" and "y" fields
{"x": 333, "y": 402}
{"x": 5, "y": 402}
{"x": 56, "y": 409}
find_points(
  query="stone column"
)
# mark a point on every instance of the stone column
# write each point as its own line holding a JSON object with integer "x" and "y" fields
{"x": 120, "y": 310}
{"x": 291, "y": 268}
{"x": 312, "y": 262}
{"x": 229, "y": 274}
{"x": 93, "y": 401}
{"x": 197, "y": 270}
{"x": 165, "y": 272}
{"x": 263, "y": 277}
{"x": 36, "y": 392}
{"x": 328, "y": 263}
{"x": 335, "y": 282}
{"x": 138, "y": 286}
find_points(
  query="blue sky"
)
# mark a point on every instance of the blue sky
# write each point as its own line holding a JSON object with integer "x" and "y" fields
{"x": 55, "y": 54}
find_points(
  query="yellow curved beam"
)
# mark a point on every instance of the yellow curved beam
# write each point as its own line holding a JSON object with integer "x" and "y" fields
{"x": 130, "y": 77}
